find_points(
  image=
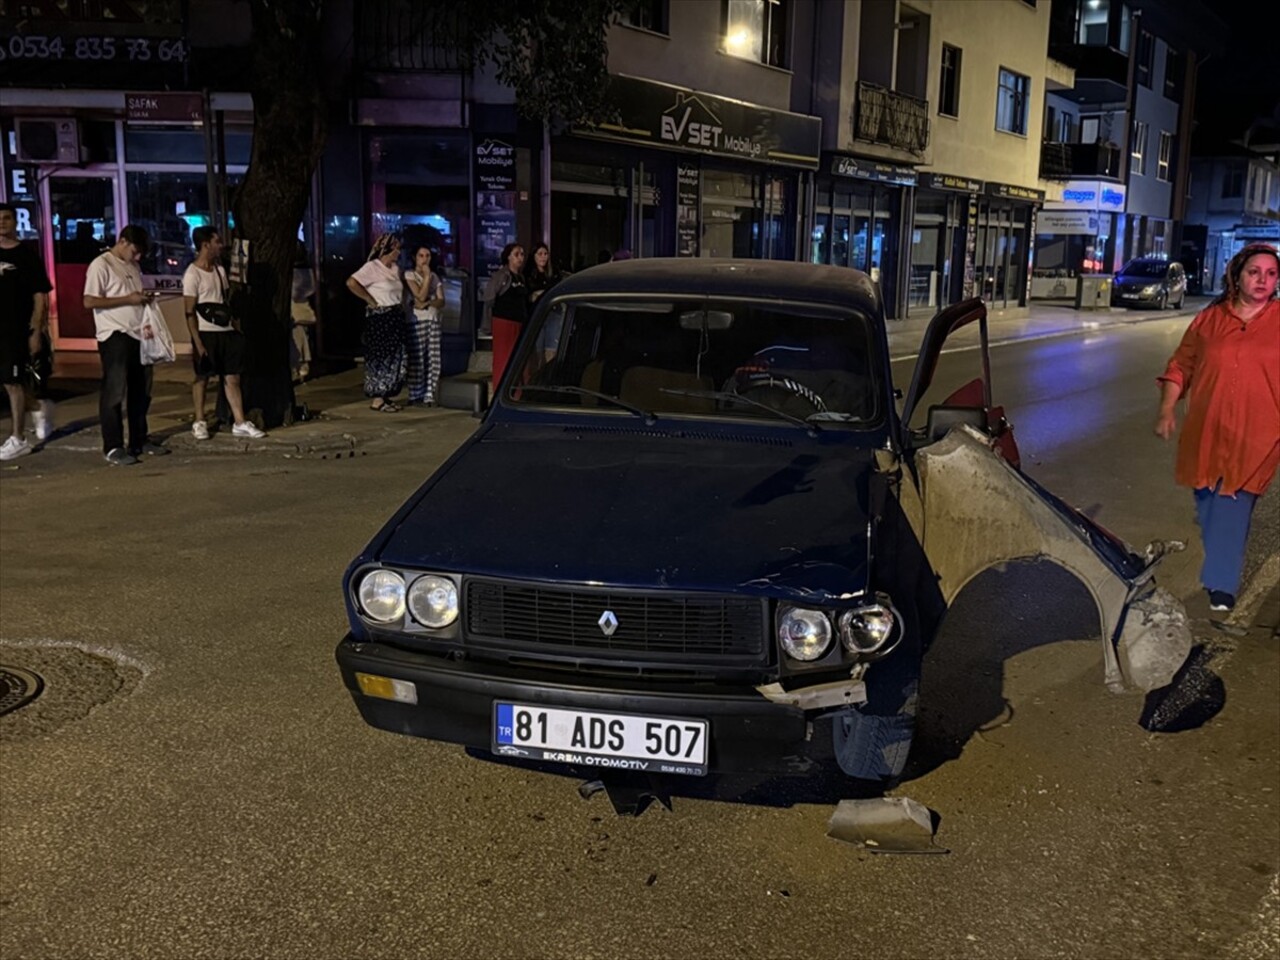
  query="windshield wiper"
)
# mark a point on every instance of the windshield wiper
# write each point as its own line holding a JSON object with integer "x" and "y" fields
{"x": 645, "y": 415}
{"x": 730, "y": 395}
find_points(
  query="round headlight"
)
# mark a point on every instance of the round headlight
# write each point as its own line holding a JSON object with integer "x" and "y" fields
{"x": 804, "y": 634}
{"x": 866, "y": 629}
{"x": 433, "y": 601}
{"x": 381, "y": 596}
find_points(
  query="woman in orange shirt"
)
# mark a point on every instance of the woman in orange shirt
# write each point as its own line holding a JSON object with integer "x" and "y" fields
{"x": 1228, "y": 366}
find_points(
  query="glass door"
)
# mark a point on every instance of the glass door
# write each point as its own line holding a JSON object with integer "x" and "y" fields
{"x": 83, "y": 221}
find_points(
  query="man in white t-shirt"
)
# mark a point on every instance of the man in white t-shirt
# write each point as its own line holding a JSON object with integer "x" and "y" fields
{"x": 113, "y": 291}
{"x": 217, "y": 345}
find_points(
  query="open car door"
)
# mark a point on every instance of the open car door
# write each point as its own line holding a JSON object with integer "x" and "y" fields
{"x": 978, "y": 510}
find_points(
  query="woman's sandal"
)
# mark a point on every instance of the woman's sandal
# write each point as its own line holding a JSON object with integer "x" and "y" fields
{"x": 386, "y": 407}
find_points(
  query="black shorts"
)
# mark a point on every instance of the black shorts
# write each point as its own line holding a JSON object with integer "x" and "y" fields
{"x": 225, "y": 352}
{"x": 15, "y": 353}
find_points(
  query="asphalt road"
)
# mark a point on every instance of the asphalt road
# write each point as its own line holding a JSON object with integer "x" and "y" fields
{"x": 196, "y": 783}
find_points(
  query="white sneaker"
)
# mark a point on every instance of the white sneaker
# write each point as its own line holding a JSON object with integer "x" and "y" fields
{"x": 14, "y": 447}
{"x": 247, "y": 429}
{"x": 42, "y": 420}
{"x": 200, "y": 430}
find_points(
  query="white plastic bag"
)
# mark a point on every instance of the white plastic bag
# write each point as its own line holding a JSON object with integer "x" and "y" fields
{"x": 156, "y": 341}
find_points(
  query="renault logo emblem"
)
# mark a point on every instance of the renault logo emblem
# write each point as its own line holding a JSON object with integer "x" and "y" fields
{"x": 608, "y": 623}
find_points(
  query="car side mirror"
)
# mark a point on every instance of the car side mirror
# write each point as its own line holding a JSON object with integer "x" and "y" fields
{"x": 943, "y": 419}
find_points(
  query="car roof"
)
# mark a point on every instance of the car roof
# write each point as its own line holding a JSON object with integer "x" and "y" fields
{"x": 766, "y": 279}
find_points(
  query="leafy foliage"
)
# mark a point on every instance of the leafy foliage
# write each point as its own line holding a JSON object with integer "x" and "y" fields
{"x": 552, "y": 53}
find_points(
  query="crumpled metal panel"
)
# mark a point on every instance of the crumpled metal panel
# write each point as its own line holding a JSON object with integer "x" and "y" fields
{"x": 980, "y": 512}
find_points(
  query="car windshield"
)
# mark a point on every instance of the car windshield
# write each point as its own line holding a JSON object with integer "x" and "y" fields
{"x": 1146, "y": 268}
{"x": 659, "y": 355}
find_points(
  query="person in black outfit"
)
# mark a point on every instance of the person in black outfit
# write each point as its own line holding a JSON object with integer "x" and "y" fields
{"x": 24, "y": 308}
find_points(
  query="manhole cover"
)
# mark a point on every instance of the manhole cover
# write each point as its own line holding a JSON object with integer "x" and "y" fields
{"x": 17, "y": 687}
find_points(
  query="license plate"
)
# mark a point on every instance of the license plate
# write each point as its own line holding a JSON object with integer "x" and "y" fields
{"x": 607, "y": 740}
{"x": 1129, "y": 296}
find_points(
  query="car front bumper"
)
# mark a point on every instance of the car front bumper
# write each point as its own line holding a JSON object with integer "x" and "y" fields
{"x": 748, "y": 733}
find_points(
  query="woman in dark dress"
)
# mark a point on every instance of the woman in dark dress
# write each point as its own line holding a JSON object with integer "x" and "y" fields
{"x": 507, "y": 300}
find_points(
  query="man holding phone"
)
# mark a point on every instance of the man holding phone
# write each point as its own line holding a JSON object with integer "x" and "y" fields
{"x": 113, "y": 291}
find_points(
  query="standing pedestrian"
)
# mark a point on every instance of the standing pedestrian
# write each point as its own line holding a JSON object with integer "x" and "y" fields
{"x": 217, "y": 345}
{"x": 113, "y": 291}
{"x": 540, "y": 276}
{"x": 507, "y": 303}
{"x": 1228, "y": 367}
{"x": 379, "y": 285}
{"x": 303, "y": 315}
{"x": 24, "y": 311}
{"x": 427, "y": 291}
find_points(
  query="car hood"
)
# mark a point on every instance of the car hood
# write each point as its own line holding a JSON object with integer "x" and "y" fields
{"x": 695, "y": 510}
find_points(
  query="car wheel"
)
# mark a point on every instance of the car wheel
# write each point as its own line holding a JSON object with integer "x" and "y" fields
{"x": 872, "y": 741}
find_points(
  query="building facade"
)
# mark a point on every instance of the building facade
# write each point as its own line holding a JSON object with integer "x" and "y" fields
{"x": 1118, "y": 141}
{"x": 898, "y": 137}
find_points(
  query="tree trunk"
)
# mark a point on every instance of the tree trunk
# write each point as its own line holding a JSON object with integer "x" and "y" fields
{"x": 288, "y": 137}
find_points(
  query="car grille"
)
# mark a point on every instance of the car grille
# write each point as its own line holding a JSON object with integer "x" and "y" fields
{"x": 660, "y": 627}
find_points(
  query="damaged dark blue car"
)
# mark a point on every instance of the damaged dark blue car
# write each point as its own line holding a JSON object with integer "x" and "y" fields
{"x": 697, "y": 532}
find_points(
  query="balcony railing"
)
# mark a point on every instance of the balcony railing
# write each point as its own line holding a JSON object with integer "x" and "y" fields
{"x": 408, "y": 35}
{"x": 1069, "y": 161}
{"x": 894, "y": 119}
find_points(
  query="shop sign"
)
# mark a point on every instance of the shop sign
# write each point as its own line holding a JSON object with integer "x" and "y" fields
{"x": 947, "y": 181}
{"x": 21, "y": 191}
{"x": 871, "y": 170}
{"x": 1068, "y": 223}
{"x": 1095, "y": 195}
{"x": 495, "y": 174}
{"x": 676, "y": 118}
{"x": 1014, "y": 192}
{"x": 687, "y": 209}
{"x": 164, "y": 107}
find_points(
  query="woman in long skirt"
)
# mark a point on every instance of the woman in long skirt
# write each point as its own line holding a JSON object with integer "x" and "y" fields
{"x": 379, "y": 285}
{"x": 424, "y": 330}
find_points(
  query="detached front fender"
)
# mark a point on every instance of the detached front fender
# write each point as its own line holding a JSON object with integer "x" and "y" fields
{"x": 979, "y": 512}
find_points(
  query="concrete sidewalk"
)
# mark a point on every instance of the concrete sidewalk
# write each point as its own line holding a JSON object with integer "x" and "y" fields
{"x": 342, "y": 420}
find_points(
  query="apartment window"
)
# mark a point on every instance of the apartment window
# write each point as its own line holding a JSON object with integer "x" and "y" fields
{"x": 1102, "y": 23}
{"x": 1165, "y": 156}
{"x": 1146, "y": 57}
{"x": 1233, "y": 184}
{"x": 949, "y": 85}
{"x": 646, "y": 14}
{"x": 1011, "y": 102}
{"x": 1173, "y": 68}
{"x": 756, "y": 29}
{"x": 1138, "y": 149}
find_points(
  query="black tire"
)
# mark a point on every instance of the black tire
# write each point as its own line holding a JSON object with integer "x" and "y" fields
{"x": 873, "y": 741}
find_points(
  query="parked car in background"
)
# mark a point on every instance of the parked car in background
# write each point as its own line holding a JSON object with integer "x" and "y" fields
{"x": 1150, "y": 282}
{"x": 696, "y": 533}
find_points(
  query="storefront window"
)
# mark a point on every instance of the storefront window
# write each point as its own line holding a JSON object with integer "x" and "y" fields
{"x": 928, "y": 252}
{"x": 747, "y": 215}
{"x": 169, "y": 206}
{"x": 181, "y": 145}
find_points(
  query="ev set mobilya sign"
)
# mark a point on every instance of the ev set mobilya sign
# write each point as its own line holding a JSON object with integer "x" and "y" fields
{"x": 675, "y": 118}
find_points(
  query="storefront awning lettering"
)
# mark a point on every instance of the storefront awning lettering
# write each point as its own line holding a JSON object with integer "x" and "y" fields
{"x": 1099, "y": 196}
{"x": 676, "y": 118}
{"x": 863, "y": 169}
{"x": 1067, "y": 223}
{"x": 948, "y": 181}
{"x": 1014, "y": 192}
